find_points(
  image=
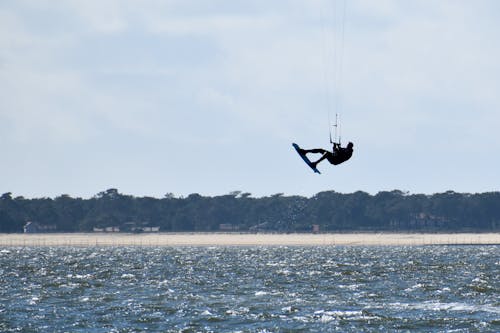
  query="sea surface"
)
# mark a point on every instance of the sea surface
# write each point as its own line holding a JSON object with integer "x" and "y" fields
{"x": 250, "y": 289}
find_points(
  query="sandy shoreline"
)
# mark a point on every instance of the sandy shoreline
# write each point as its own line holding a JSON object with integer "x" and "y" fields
{"x": 243, "y": 239}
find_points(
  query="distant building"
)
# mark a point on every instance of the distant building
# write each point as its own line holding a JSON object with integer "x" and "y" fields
{"x": 420, "y": 221}
{"x": 315, "y": 228}
{"x": 127, "y": 228}
{"x": 138, "y": 227}
{"x": 31, "y": 227}
{"x": 228, "y": 227}
{"x": 34, "y": 227}
{"x": 151, "y": 229}
{"x": 145, "y": 229}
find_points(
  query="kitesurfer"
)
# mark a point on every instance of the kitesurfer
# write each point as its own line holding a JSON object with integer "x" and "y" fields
{"x": 336, "y": 156}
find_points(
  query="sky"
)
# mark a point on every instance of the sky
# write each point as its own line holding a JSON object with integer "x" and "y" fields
{"x": 194, "y": 96}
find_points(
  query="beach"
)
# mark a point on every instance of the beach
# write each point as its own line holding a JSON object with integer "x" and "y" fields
{"x": 248, "y": 239}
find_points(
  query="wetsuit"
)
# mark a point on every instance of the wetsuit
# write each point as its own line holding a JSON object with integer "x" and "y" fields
{"x": 339, "y": 155}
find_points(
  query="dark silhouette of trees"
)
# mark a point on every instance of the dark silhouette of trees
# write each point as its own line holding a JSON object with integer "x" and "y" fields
{"x": 332, "y": 211}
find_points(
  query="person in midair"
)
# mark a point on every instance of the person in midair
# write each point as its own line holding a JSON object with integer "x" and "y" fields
{"x": 336, "y": 156}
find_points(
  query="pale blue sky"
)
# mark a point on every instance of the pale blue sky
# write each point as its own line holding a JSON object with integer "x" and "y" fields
{"x": 206, "y": 97}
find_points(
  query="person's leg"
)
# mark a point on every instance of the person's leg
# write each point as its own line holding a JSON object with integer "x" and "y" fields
{"x": 325, "y": 155}
{"x": 314, "y": 151}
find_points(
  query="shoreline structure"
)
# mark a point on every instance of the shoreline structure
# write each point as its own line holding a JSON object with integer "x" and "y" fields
{"x": 247, "y": 239}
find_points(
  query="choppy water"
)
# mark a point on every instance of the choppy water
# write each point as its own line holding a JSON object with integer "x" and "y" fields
{"x": 254, "y": 289}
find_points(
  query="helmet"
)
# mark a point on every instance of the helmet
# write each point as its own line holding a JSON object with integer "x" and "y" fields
{"x": 350, "y": 145}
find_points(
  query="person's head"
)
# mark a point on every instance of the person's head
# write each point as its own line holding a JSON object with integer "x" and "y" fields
{"x": 350, "y": 145}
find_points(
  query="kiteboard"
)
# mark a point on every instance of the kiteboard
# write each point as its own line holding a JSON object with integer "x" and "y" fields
{"x": 304, "y": 157}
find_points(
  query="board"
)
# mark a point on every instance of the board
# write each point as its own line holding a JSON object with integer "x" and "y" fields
{"x": 304, "y": 157}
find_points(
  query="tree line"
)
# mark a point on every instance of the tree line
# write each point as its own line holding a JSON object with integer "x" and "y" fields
{"x": 330, "y": 211}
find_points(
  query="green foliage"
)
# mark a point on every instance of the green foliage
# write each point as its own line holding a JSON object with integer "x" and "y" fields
{"x": 332, "y": 211}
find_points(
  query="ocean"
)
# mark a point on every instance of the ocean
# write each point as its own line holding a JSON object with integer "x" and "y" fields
{"x": 250, "y": 289}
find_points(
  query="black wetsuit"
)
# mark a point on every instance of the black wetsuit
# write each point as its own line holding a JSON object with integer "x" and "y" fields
{"x": 339, "y": 155}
